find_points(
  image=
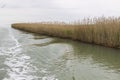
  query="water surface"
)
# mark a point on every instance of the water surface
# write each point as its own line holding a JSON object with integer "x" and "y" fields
{"x": 28, "y": 56}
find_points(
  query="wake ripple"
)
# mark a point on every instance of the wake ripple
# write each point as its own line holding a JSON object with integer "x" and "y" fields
{"x": 19, "y": 64}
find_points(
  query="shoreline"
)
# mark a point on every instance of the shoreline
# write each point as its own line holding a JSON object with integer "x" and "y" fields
{"x": 104, "y": 32}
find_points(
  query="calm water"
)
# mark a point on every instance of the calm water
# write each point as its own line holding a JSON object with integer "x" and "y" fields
{"x": 27, "y": 56}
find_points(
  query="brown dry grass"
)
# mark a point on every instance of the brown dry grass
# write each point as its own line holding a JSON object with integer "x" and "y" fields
{"x": 102, "y": 31}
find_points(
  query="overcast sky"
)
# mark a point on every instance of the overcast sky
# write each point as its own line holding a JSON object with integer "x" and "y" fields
{"x": 59, "y": 9}
{"x": 81, "y": 4}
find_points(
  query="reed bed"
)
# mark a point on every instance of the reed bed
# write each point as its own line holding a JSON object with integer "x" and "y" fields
{"x": 102, "y": 31}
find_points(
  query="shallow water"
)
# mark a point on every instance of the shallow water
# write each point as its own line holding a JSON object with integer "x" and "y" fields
{"x": 28, "y": 56}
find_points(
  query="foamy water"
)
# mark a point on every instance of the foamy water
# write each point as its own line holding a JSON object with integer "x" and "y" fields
{"x": 18, "y": 63}
{"x": 26, "y": 56}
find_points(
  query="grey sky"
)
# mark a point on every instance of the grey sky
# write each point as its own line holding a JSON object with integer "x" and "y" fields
{"x": 81, "y": 4}
{"x": 85, "y": 6}
{"x": 57, "y": 9}
{"x": 28, "y": 3}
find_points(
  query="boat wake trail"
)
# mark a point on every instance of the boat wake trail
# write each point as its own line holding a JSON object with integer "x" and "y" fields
{"x": 19, "y": 64}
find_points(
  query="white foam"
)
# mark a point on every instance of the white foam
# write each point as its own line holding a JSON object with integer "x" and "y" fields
{"x": 52, "y": 77}
{"x": 19, "y": 64}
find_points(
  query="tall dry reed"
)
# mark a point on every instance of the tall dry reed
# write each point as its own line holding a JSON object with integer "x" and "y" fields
{"x": 102, "y": 31}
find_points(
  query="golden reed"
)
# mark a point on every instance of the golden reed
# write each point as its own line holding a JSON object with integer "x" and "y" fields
{"x": 102, "y": 31}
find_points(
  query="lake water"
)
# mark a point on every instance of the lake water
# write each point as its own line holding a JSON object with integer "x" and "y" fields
{"x": 28, "y": 56}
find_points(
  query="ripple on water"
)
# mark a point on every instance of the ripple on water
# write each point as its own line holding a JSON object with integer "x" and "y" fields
{"x": 19, "y": 64}
{"x": 20, "y": 67}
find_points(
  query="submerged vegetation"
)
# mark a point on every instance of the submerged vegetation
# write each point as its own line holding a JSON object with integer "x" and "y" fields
{"x": 102, "y": 31}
